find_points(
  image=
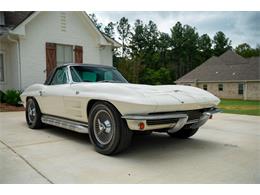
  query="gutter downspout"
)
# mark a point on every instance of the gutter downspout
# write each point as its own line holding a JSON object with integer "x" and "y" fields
{"x": 18, "y": 60}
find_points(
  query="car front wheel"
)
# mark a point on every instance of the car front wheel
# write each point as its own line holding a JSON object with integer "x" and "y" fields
{"x": 108, "y": 132}
{"x": 33, "y": 114}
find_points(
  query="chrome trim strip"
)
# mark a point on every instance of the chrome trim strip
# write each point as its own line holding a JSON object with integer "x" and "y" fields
{"x": 151, "y": 117}
{"x": 65, "y": 123}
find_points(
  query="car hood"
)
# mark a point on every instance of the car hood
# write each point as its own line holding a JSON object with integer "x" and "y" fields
{"x": 180, "y": 93}
{"x": 163, "y": 96}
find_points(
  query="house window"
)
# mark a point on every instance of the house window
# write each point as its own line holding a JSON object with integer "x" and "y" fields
{"x": 64, "y": 54}
{"x": 240, "y": 88}
{"x": 220, "y": 87}
{"x": 205, "y": 87}
{"x": 2, "y": 70}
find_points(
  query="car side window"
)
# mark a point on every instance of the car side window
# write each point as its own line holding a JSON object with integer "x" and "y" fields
{"x": 60, "y": 77}
{"x": 75, "y": 76}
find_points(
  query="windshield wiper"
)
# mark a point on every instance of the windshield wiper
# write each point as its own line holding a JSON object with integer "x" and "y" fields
{"x": 108, "y": 81}
{"x": 105, "y": 81}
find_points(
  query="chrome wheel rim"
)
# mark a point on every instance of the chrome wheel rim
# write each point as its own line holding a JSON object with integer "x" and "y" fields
{"x": 103, "y": 127}
{"x": 31, "y": 112}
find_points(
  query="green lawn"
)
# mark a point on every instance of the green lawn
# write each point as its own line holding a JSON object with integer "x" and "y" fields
{"x": 240, "y": 107}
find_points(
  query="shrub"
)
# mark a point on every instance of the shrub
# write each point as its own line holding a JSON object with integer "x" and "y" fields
{"x": 12, "y": 97}
{"x": 2, "y": 97}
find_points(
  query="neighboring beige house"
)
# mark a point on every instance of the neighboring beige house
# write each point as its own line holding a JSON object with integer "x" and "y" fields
{"x": 33, "y": 43}
{"x": 228, "y": 76}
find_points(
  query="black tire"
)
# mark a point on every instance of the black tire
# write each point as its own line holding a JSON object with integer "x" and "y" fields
{"x": 184, "y": 133}
{"x": 33, "y": 118}
{"x": 109, "y": 137}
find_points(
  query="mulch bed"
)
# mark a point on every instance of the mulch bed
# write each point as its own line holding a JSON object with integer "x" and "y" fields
{"x": 4, "y": 107}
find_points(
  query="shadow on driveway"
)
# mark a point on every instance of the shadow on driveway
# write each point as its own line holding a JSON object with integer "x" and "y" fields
{"x": 147, "y": 147}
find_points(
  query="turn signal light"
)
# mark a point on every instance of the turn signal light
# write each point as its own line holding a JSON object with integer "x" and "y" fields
{"x": 141, "y": 125}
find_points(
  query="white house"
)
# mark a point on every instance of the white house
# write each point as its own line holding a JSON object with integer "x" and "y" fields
{"x": 33, "y": 43}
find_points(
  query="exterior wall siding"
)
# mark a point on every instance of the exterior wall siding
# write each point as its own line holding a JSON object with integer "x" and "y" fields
{"x": 56, "y": 27}
{"x": 106, "y": 56}
{"x": 11, "y": 76}
{"x": 230, "y": 90}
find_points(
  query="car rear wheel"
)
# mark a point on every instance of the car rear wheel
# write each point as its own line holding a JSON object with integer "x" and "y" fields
{"x": 184, "y": 133}
{"x": 33, "y": 114}
{"x": 108, "y": 132}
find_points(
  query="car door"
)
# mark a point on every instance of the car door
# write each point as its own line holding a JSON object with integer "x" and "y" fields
{"x": 74, "y": 102}
{"x": 52, "y": 95}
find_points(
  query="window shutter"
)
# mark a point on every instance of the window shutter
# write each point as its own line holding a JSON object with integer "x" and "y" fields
{"x": 78, "y": 54}
{"x": 50, "y": 57}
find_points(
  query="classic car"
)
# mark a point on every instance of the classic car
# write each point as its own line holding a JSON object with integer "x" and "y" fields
{"x": 98, "y": 100}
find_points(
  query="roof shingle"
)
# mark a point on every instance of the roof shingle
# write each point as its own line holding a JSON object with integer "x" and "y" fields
{"x": 227, "y": 67}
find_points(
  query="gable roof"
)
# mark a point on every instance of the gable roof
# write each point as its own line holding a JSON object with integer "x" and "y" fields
{"x": 111, "y": 40}
{"x": 227, "y": 67}
{"x": 15, "y": 19}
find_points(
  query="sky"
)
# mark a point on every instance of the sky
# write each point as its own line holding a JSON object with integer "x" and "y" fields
{"x": 239, "y": 27}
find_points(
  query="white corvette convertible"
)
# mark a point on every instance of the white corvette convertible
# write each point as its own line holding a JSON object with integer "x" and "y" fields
{"x": 98, "y": 100}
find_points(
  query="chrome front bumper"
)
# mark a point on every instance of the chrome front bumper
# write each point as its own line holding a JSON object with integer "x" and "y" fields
{"x": 176, "y": 121}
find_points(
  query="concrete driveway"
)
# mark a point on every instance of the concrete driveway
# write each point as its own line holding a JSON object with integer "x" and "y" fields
{"x": 225, "y": 150}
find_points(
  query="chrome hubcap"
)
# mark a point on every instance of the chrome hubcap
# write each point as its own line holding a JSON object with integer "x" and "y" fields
{"x": 103, "y": 127}
{"x": 31, "y": 112}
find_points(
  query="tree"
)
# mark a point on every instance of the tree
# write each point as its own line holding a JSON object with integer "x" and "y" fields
{"x": 144, "y": 43}
{"x": 205, "y": 47}
{"x": 123, "y": 29}
{"x": 131, "y": 69}
{"x": 137, "y": 42}
{"x": 156, "y": 77}
{"x": 190, "y": 48}
{"x": 184, "y": 44}
{"x": 151, "y": 35}
{"x": 164, "y": 44}
{"x": 110, "y": 29}
{"x": 257, "y": 50}
{"x": 95, "y": 21}
{"x": 221, "y": 43}
{"x": 247, "y": 51}
{"x": 177, "y": 45}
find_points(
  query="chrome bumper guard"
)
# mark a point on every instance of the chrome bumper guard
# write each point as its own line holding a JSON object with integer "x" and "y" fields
{"x": 133, "y": 121}
{"x": 204, "y": 118}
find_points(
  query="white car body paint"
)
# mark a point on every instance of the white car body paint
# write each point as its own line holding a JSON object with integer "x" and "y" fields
{"x": 71, "y": 100}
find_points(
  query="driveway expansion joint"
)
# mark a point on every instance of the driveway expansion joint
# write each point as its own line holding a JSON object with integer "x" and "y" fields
{"x": 27, "y": 162}
{"x": 32, "y": 144}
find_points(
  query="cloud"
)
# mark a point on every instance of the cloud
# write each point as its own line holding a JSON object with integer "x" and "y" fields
{"x": 240, "y": 27}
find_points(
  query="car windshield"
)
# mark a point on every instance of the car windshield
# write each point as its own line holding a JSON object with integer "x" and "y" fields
{"x": 96, "y": 74}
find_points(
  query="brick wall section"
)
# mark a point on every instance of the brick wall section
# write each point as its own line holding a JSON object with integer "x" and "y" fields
{"x": 230, "y": 90}
{"x": 253, "y": 91}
